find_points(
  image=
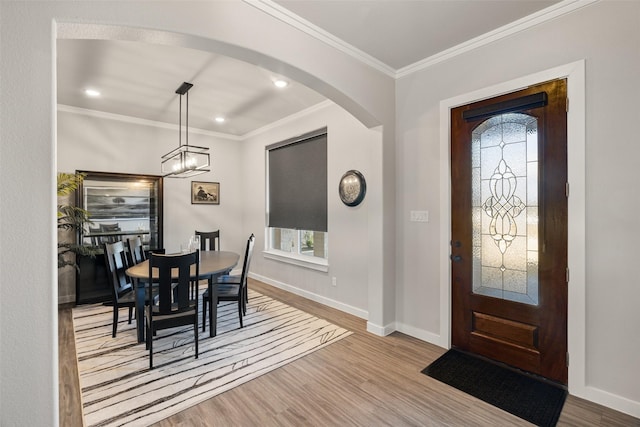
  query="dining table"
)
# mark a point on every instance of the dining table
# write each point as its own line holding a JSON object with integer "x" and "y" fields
{"x": 212, "y": 265}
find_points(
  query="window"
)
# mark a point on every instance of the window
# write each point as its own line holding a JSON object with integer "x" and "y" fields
{"x": 300, "y": 242}
{"x": 297, "y": 198}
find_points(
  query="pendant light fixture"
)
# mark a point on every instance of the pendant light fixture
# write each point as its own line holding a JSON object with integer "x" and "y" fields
{"x": 186, "y": 160}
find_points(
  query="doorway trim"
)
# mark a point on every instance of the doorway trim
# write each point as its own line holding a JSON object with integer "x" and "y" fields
{"x": 575, "y": 74}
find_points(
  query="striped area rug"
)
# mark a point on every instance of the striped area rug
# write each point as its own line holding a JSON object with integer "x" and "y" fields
{"x": 119, "y": 389}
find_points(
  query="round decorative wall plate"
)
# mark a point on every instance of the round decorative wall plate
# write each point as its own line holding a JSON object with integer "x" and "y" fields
{"x": 352, "y": 188}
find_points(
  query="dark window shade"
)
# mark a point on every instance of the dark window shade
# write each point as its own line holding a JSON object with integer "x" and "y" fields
{"x": 519, "y": 104}
{"x": 298, "y": 184}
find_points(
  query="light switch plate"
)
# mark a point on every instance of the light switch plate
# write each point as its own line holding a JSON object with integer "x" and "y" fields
{"x": 419, "y": 216}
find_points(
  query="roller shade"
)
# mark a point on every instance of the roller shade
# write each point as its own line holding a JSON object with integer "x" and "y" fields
{"x": 298, "y": 182}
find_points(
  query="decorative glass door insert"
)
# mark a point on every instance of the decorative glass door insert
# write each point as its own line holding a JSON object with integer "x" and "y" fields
{"x": 509, "y": 229}
{"x": 504, "y": 158}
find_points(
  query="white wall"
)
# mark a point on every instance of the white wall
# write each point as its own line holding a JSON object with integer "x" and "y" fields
{"x": 95, "y": 142}
{"x": 98, "y": 142}
{"x": 606, "y": 35}
{"x": 28, "y": 353}
{"x": 349, "y": 146}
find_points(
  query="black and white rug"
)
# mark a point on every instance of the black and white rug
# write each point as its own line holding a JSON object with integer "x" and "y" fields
{"x": 119, "y": 389}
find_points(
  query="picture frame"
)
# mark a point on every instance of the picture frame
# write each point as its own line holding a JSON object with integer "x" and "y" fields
{"x": 205, "y": 193}
{"x": 352, "y": 188}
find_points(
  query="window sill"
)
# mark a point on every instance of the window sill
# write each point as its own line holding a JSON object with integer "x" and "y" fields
{"x": 318, "y": 264}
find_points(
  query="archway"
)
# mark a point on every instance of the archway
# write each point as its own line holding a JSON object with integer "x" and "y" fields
{"x": 376, "y": 305}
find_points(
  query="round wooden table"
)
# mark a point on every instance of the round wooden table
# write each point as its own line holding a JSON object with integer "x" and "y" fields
{"x": 212, "y": 265}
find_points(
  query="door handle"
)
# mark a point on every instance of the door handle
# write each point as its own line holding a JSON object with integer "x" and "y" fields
{"x": 455, "y": 258}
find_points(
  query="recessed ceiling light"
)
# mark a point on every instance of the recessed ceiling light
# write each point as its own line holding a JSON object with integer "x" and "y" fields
{"x": 92, "y": 93}
{"x": 220, "y": 119}
{"x": 281, "y": 83}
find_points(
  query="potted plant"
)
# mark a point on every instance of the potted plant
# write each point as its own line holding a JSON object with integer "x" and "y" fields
{"x": 70, "y": 218}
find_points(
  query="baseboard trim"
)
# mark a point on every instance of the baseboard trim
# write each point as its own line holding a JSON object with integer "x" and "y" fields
{"x": 422, "y": 334}
{"x": 590, "y": 393}
{"x": 381, "y": 331}
{"x": 608, "y": 399}
{"x": 363, "y": 314}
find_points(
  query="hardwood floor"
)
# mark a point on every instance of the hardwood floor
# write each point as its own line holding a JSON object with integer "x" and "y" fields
{"x": 69, "y": 383}
{"x": 361, "y": 380}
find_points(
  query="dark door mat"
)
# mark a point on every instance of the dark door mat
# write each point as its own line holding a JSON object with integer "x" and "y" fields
{"x": 537, "y": 401}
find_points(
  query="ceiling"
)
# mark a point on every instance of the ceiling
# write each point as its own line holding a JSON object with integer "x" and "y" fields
{"x": 139, "y": 79}
{"x": 402, "y": 32}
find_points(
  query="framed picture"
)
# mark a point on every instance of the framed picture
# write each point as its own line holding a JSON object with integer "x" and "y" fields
{"x": 205, "y": 193}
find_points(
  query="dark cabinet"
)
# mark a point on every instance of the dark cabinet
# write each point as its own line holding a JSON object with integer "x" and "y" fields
{"x": 120, "y": 206}
{"x": 91, "y": 280}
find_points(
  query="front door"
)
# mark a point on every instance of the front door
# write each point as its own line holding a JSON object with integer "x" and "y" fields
{"x": 509, "y": 229}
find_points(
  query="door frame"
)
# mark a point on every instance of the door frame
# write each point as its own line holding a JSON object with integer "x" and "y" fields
{"x": 575, "y": 74}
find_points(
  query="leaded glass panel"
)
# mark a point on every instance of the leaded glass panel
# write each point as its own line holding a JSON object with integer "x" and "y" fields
{"x": 504, "y": 152}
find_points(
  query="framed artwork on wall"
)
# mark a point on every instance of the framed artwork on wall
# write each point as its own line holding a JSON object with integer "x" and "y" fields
{"x": 205, "y": 193}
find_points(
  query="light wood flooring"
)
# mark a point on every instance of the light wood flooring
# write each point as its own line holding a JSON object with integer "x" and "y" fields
{"x": 361, "y": 380}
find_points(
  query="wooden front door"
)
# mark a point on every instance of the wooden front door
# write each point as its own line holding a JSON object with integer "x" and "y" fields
{"x": 509, "y": 229}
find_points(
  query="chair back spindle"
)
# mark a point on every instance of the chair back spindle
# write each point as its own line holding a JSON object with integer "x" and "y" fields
{"x": 212, "y": 237}
{"x": 247, "y": 260}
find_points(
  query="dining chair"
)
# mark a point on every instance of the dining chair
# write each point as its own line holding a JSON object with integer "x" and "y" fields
{"x": 105, "y": 228}
{"x": 173, "y": 306}
{"x": 232, "y": 288}
{"x": 211, "y": 236}
{"x": 136, "y": 250}
{"x": 228, "y": 278}
{"x": 122, "y": 290}
{"x": 243, "y": 277}
{"x": 95, "y": 240}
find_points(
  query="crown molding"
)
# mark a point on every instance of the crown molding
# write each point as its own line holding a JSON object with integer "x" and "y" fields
{"x": 554, "y": 11}
{"x": 293, "y": 117}
{"x": 134, "y": 120}
{"x": 542, "y": 16}
{"x": 275, "y": 10}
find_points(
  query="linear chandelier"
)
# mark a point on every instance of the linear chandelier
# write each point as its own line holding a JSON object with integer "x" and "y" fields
{"x": 186, "y": 160}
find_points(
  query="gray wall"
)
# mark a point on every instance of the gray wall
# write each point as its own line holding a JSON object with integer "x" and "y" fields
{"x": 28, "y": 353}
{"x": 349, "y": 146}
{"x": 606, "y": 35}
{"x": 96, "y": 142}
